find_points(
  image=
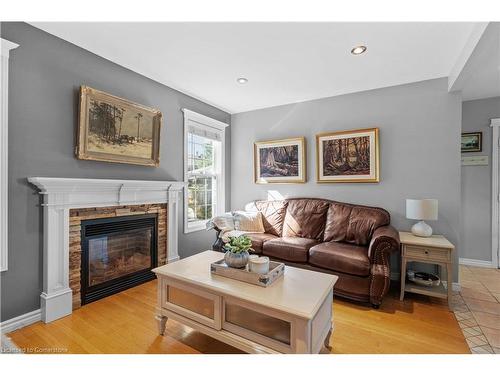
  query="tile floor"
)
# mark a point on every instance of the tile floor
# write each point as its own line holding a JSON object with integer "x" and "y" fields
{"x": 477, "y": 308}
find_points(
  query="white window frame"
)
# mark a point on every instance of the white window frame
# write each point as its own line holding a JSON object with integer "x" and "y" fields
{"x": 6, "y": 47}
{"x": 205, "y": 123}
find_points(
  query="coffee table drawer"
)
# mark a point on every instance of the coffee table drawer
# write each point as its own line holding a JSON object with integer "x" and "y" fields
{"x": 427, "y": 253}
{"x": 193, "y": 303}
{"x": 258, "y": 324}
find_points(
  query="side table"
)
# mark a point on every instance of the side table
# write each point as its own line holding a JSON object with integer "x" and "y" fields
{"x": 433, "y": 250}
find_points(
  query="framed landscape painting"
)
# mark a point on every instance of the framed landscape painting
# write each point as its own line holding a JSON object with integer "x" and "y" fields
{"x": 472, "y": 142}
{"x": 280, "y": 161}
{"x": 348, "y": 156}
{"x": 117, "y": 130}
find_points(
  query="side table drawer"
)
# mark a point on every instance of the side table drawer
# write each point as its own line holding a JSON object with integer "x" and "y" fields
{"x": 427, "y": 253}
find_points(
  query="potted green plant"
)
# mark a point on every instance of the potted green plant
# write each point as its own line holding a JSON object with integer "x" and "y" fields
{"x": 237, "y": 250}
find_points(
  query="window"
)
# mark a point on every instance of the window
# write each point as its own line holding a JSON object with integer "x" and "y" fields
{"x": 203, "y": 170}
{"x": 202, "y": 178}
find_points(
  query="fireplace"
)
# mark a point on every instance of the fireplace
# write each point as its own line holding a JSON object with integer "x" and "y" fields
{"x": 117, "y": 253}
{"x": 69, "y": 201}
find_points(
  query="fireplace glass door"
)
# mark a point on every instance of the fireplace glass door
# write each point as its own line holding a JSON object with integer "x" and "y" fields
{"x": 117, "y": 253}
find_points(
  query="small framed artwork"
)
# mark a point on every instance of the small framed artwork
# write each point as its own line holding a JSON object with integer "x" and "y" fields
{"x": 280, "y": 161}
{"x": 472, "y": 142}
{"x": 348, "y": 156}
{"x": 117, "y": 130}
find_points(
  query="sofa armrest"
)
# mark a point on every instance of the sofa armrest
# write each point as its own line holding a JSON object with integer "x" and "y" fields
{"x": 218, "y": 244}
{"x": 385, "y": 240}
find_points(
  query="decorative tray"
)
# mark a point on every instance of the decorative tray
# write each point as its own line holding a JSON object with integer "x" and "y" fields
{"x": 276, "y": 270}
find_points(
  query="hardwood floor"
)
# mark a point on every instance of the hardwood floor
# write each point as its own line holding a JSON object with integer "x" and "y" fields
{"x": 124, "y": 323}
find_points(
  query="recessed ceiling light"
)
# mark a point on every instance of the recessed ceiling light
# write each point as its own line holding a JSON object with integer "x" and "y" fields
{"x": 242, "y": 80}
{"x": 358, "y": 50}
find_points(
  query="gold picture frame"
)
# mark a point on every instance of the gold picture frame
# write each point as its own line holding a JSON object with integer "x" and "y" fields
{"x": 360, "y": 163}
{"x": 117, "y": 130}
{"x": 281, "y": 161}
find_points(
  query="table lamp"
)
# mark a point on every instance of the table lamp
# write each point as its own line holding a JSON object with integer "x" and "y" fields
{"x": 422, "y": 209}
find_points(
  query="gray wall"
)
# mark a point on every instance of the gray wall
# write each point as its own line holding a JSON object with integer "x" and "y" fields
{"x": 476, "y": 182}
{"x": 419, "y": 143}
{"x": 45, "y": 75}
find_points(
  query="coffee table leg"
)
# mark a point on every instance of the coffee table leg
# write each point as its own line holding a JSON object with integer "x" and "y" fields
{"x": 162, "y": 323}
{"x": 327, "y": 340}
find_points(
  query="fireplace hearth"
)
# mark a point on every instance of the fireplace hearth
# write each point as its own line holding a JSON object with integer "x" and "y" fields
{"x": 117, "y": 253}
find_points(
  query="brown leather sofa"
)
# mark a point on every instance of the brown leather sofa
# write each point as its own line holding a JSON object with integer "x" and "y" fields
{"x": 351, "y": 241}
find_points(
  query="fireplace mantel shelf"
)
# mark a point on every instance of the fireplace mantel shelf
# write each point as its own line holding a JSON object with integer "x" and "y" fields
{"x": 46, "y": 184}
{"x": 62, "y": 194}
{"x": 82, "y": 192}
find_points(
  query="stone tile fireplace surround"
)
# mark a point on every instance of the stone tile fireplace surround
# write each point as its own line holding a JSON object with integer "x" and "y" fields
{"x": 77, "y": 215}
{"x": 63, "y": 196}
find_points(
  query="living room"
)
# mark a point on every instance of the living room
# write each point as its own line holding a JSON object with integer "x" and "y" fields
{"x": 250, "y": 187}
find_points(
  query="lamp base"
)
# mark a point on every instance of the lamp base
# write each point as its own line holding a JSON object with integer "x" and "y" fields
{"x": 421, "y": 229}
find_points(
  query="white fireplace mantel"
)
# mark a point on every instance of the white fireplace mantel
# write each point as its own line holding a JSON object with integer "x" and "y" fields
{"x": 63, "y": 194}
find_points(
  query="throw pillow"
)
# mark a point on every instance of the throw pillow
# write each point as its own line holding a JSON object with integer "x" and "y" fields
{"x": 224, "y": 222}
{"x": 248, "y": 221}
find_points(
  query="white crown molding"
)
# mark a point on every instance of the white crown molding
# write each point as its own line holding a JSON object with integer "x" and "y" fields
{"x": 20, "y": 321}
{"x": 6, "y": 47}
{"x": 62, "y": 194}
{"x": 203, "y": 120}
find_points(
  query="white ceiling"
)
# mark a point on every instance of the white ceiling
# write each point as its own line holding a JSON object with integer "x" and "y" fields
{"x": 284, "y": 62}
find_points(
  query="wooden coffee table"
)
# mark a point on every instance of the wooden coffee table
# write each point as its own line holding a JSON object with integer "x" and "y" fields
{"x": 293, "y": 315}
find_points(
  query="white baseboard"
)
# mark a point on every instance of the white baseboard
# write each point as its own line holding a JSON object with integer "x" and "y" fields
{"x": 476, "y": 263}
{"x": 455, "y": 286}
{"x": 20, "y": 321}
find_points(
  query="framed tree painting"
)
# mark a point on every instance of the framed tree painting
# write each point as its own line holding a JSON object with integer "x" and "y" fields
{"x": 348, "y": 156}
{"x": 117, "y": 130}
{"x": 280, "y": 161}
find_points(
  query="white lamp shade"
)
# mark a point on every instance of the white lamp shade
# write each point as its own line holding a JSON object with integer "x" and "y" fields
{"x": 422, "y": 209}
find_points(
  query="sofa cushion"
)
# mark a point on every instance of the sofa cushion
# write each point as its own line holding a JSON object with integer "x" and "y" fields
{"x": 341, "y": 257}
{"x": 273, "y": 214}
{"x": 353, "y": 224}
{"x": 258, "y": 240}
{"x": 305, "y": 218}
{"x": 292, "y": 249}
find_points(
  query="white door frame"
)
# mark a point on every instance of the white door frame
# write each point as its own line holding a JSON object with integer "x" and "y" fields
{"x": 495, "y": 192}
{"x": 5, "y": 48}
